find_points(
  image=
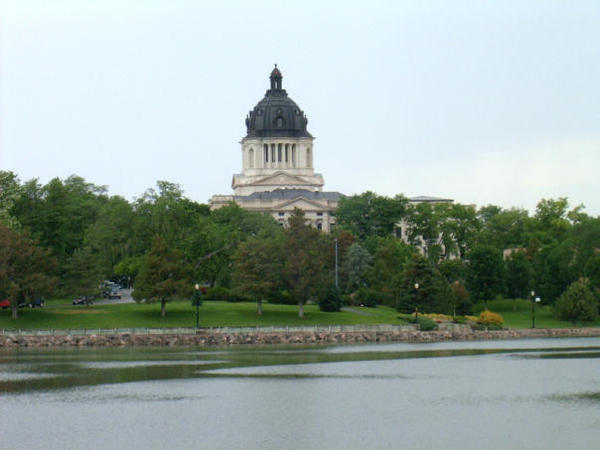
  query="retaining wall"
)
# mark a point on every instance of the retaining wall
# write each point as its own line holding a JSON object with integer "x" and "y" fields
{"x": 205, "y": 338}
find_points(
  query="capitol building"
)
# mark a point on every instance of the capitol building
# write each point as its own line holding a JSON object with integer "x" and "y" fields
{"x": 277, "y": 165}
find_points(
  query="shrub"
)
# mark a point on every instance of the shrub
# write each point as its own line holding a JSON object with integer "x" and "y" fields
{"x": 331, "y": 301}
{"x": 426, "y": 324}
{"x": 236, "y": 296}
{"x": 366, "y": 297}
{"x": 577, "y": 303}
{"x": 217, "y": 293}
{"x": 488, "y": 318}
{"x": 481, "y": 327}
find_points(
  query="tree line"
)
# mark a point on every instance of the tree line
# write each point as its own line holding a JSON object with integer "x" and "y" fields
{"x": 64, "y": 237}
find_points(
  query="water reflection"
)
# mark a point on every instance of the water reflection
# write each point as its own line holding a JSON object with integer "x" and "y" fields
{"x": 26, "y": 371}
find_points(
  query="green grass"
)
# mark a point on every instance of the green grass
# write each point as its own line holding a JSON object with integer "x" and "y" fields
{"x": 61, "y": 314}
{"x": 182, "y": 314}
{"x": 521, "y": 318}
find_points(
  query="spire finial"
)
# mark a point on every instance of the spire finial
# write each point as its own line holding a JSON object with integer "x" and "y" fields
{"x": 276, "y": 79}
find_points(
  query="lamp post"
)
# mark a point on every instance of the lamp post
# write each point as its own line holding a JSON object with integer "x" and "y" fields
{"x": 532, "y": 309}
{"x": 336, "y": 263}
{"x": 416, "y": 302}
{"x": 197, "y": 303}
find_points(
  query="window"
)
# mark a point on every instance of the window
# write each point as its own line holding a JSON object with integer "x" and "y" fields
{"x": 272, "y": 152}
{"x": 279, "y": 152}
{"x": 251, "y": 157}
{"x": 266, "y": 150}
{"x": 319, "y": 226}
{"x": 287, "y": 147}
{"x": 294, "y": 155}
{"x": 319, "y": 214}
{"x": 281, "y": 214}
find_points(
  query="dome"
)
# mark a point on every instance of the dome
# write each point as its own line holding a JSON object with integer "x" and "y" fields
{"x": 276, "y": 115}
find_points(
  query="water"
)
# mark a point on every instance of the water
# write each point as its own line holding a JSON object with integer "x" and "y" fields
{"x": 502, "y": 394}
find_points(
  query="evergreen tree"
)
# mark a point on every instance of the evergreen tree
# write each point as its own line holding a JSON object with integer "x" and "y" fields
{"x": 577, "y": 303}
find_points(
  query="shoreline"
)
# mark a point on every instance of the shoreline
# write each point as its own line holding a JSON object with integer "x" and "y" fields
{"x": 204, "y": 338}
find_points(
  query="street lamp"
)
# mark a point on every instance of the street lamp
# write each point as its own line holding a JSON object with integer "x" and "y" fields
{"x": 336, "y": 263}
{"x": 416, "y": 302}
{"x": 197, "y": 303}
{"x": 532, "y": 309}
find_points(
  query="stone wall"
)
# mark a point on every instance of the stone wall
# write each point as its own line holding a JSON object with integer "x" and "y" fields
{"x": 203, "y": 338}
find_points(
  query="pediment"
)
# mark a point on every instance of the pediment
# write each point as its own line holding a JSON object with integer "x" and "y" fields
{"x": 298, "y": 202}
{"x": 281, "y": 178}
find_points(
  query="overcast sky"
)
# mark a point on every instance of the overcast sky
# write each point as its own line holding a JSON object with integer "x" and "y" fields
{"x": 480, "y": 101}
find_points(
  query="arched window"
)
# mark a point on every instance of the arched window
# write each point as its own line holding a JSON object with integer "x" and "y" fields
{"x": 279, "y": 122}
{"x": 308, "y": 157}
{"x": 251, "y": 157}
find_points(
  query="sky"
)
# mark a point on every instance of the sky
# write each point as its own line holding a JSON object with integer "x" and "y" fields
{"x": 484, "y": 102}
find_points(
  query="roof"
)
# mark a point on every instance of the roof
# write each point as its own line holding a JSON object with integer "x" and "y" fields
{"x": 427, "y": 198}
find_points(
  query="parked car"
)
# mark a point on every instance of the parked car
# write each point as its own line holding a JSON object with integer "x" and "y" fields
{"x": 115, "y": 293}
{"x": 83, "y": 300}
{"x": 5, "y": 303}
{"x": 37, "y": 303}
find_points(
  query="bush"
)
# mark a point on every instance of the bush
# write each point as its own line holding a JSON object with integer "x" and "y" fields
{"x": 236, "y": 296}
{"x": 367, "y": 297}
{"x": 426, "y": 324}
{"x": 284, "y": 298}
{"x": 482, "y": 327}
{"x": 488, "y": 318}
{"x": 217, "y": 293}
{"x": 331, "y": 301}
{"x": 577, "y": 303}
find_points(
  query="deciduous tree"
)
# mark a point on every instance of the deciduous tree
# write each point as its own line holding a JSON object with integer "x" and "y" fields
{"x": 164, "y": 276}
{"x": 26, "y": 270}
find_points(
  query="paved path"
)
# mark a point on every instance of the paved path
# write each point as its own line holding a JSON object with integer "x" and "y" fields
{"x": 355, "y": 311}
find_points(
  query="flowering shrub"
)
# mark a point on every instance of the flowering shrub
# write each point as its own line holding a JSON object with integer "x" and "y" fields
{"x": 490, "y": 318}
{"x": 439, "y": 318}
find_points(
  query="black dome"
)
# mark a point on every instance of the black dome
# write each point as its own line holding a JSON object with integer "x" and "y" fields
{"x": 276, "y": 115}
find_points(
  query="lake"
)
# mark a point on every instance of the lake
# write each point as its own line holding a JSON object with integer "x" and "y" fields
{"x": 494, "y": 394}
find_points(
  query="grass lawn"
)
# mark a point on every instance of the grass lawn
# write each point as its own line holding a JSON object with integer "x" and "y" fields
{"x": 521, "y": 318}
{"x": 61, "y": 314}
{"x": 182, "y": 314}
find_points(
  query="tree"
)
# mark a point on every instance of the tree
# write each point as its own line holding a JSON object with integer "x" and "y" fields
{"x": 305, "y": 251}
{"x": 485, "y": 272}
{"x": 518, "y": 275}
{"x": 26, "y": 270}
{"x": 424, "y": 229}
{"x": 331, "y": 301}
{"x": 9, "y": 193}
{"x": 112, "y": 236}
{"x": 356, "y": 264}
{"x": 390, "y": 257}
{"x": 164, "y": 276}
{"x": 422, "y": 286}
{"x": 577, "y": 303}
{"x": 369, "y": 214}
{"x": 257, "y": 264}
{"x": 212, "y": 242}
{"x": 82, "y": 274}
